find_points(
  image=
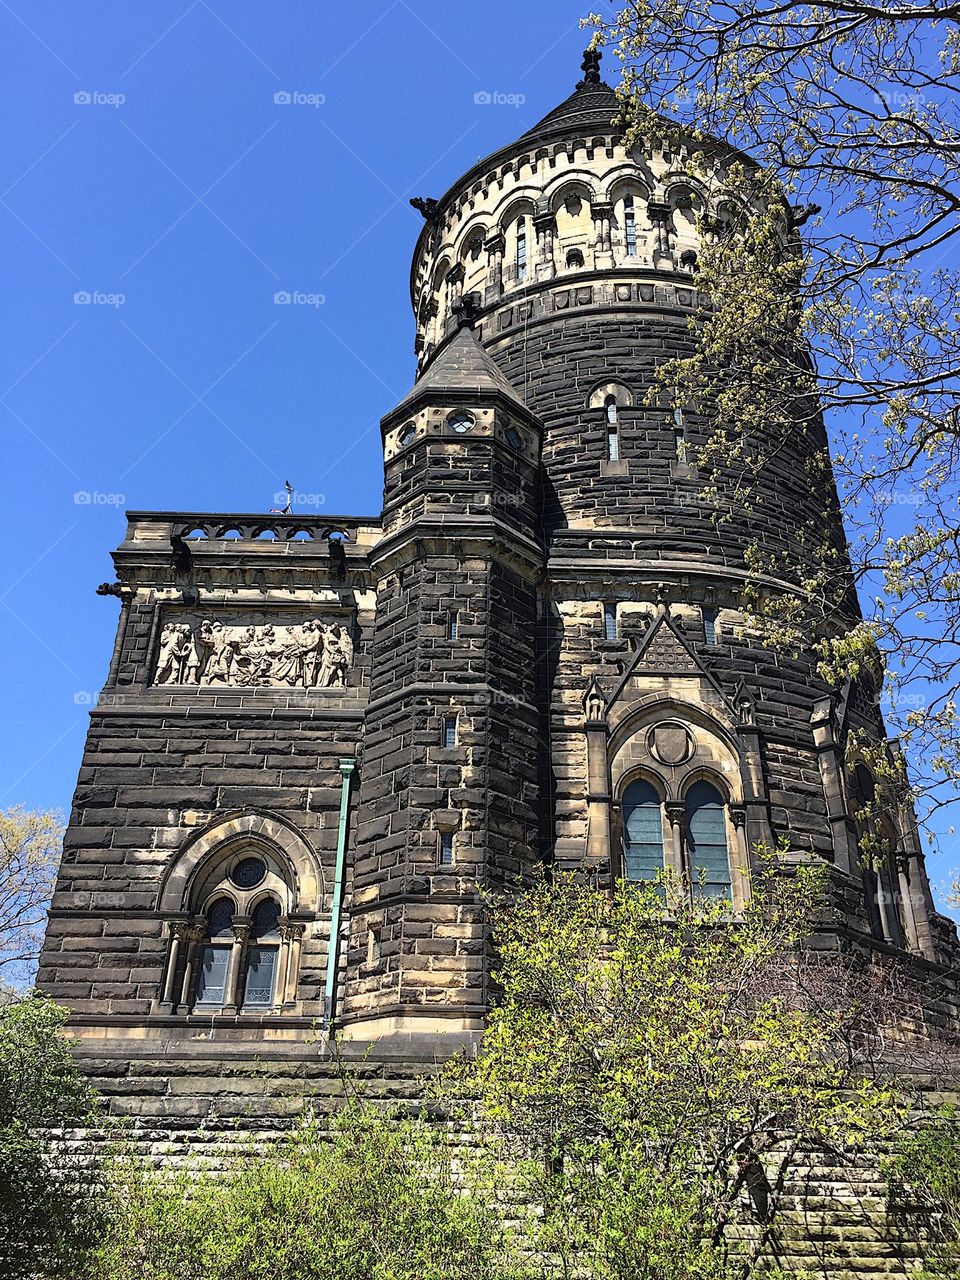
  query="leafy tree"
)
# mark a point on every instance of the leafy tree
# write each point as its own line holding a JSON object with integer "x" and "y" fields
{"x": 48, "y": 1215}
{"x": 924, "y": 1176}
{"x": 849, "y": 113}
{"x": 379, "y": 1198}
{"x": 649, "y": 1077}
{"x": 30, "y": 844}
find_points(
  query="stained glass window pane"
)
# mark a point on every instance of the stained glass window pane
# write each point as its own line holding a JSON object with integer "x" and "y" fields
{"x": 643, "y": 830}
{"x": 220, "y": 919}
{"x": 212, "y": 975}
{"x": 266, "y": 918}
{"x": 707, "y": 841}
{"x": 261, "y": 970}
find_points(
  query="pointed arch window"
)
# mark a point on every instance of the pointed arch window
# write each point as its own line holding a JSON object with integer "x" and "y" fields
{"x": 643, "y": 831}
{"x": 708, "y": 857}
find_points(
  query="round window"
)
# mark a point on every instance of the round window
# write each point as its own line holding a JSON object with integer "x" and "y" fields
{"x": 461, "y": 421}
{"x": 407, "y": 435}
{"x": 248, "y": 873}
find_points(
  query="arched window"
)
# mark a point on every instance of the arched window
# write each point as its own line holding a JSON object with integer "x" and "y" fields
{"x": 574, "y": 258}
{"x": 260, "y": 967}
{"x": 642, "y": 831}
{"x": 706, "y": 829}
{"x": 214, "y": 960}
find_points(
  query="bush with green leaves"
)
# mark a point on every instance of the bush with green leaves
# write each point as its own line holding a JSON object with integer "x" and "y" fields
{"x": 379, "y": 1197}
{"x": 49, "y": 1212}
{"x": 650, "y": 1074}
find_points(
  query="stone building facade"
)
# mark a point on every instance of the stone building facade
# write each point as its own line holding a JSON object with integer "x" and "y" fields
{"x": 322, "y": 738}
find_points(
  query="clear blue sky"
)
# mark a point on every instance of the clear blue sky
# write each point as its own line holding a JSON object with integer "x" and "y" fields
{"x": 149, "y": 167}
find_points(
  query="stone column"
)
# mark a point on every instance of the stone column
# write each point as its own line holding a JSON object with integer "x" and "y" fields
{"x": 660, "y": 217}
{"x": 231, "y": 994}
{"x": 495, "y": 246}
{"x": 739, "y": 857}
{"x": 676, "y": 860}
{"x": 545, "y": 226}
{"x": 830, "y": 764}
{"x": 454, "y": 288}
{"x": 603, "y": 235}
{"x": 194, "y": 935}
{"x": 291, "y": 935}
{"x": 179, "y": 934}
{"x": 758, "y": 829}
{"x": 599, "y": 798}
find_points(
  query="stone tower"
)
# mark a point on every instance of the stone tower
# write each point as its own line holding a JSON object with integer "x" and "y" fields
{"x": 323, "y": 740}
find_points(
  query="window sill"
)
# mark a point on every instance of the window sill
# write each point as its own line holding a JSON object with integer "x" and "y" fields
{"x": 620, "y": 467}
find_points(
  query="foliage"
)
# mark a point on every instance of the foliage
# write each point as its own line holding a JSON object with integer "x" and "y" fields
{"x": 29, "y": 857}
{"x": 852, "y": 106}
{"x": 379, "y": 1198}
{"x": 924, "y": 1172}
{"x": 47, "y": 1207}
{"x": 646, "y": 1078}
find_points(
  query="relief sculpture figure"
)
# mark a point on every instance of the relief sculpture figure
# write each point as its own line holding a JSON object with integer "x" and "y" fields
{"x": 306, "y": 655}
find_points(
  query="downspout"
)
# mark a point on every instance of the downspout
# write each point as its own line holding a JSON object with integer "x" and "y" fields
{"x": 347, "y": 767}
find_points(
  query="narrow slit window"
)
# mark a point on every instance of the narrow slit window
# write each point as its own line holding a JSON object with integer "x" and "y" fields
{"x": 453, "y": 625}
{"x": 450, "y": 731}
{"x": 630, "y": 226}
{"x": 521, "y": 248}
{"x": 446, "y": 848}
{"x": 613, "y": 430}
{"x": 710, "y": 625}
{"x": 610, "y": 622}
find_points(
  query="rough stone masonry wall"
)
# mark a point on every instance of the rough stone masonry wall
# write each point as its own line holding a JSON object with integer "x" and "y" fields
{"x": 190, "y": 1109}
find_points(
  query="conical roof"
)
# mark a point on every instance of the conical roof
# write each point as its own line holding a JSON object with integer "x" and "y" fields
{"x": 462, "y": 365}
{"x": 592, "y": 105}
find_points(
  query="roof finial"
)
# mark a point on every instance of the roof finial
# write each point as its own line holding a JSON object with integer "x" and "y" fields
{"x": 466, "y": 310}
{"x": 590, "y": 67}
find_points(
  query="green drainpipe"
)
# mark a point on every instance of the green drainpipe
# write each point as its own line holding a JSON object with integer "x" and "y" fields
{"x": 333, "y": 943}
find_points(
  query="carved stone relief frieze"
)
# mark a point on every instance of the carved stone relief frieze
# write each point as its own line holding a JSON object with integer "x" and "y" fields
{"x": 313, "y": 653}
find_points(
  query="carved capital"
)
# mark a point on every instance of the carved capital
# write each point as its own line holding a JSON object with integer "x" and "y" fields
{"x": 675, "y": 814}
{"x": 738, "y": 813}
